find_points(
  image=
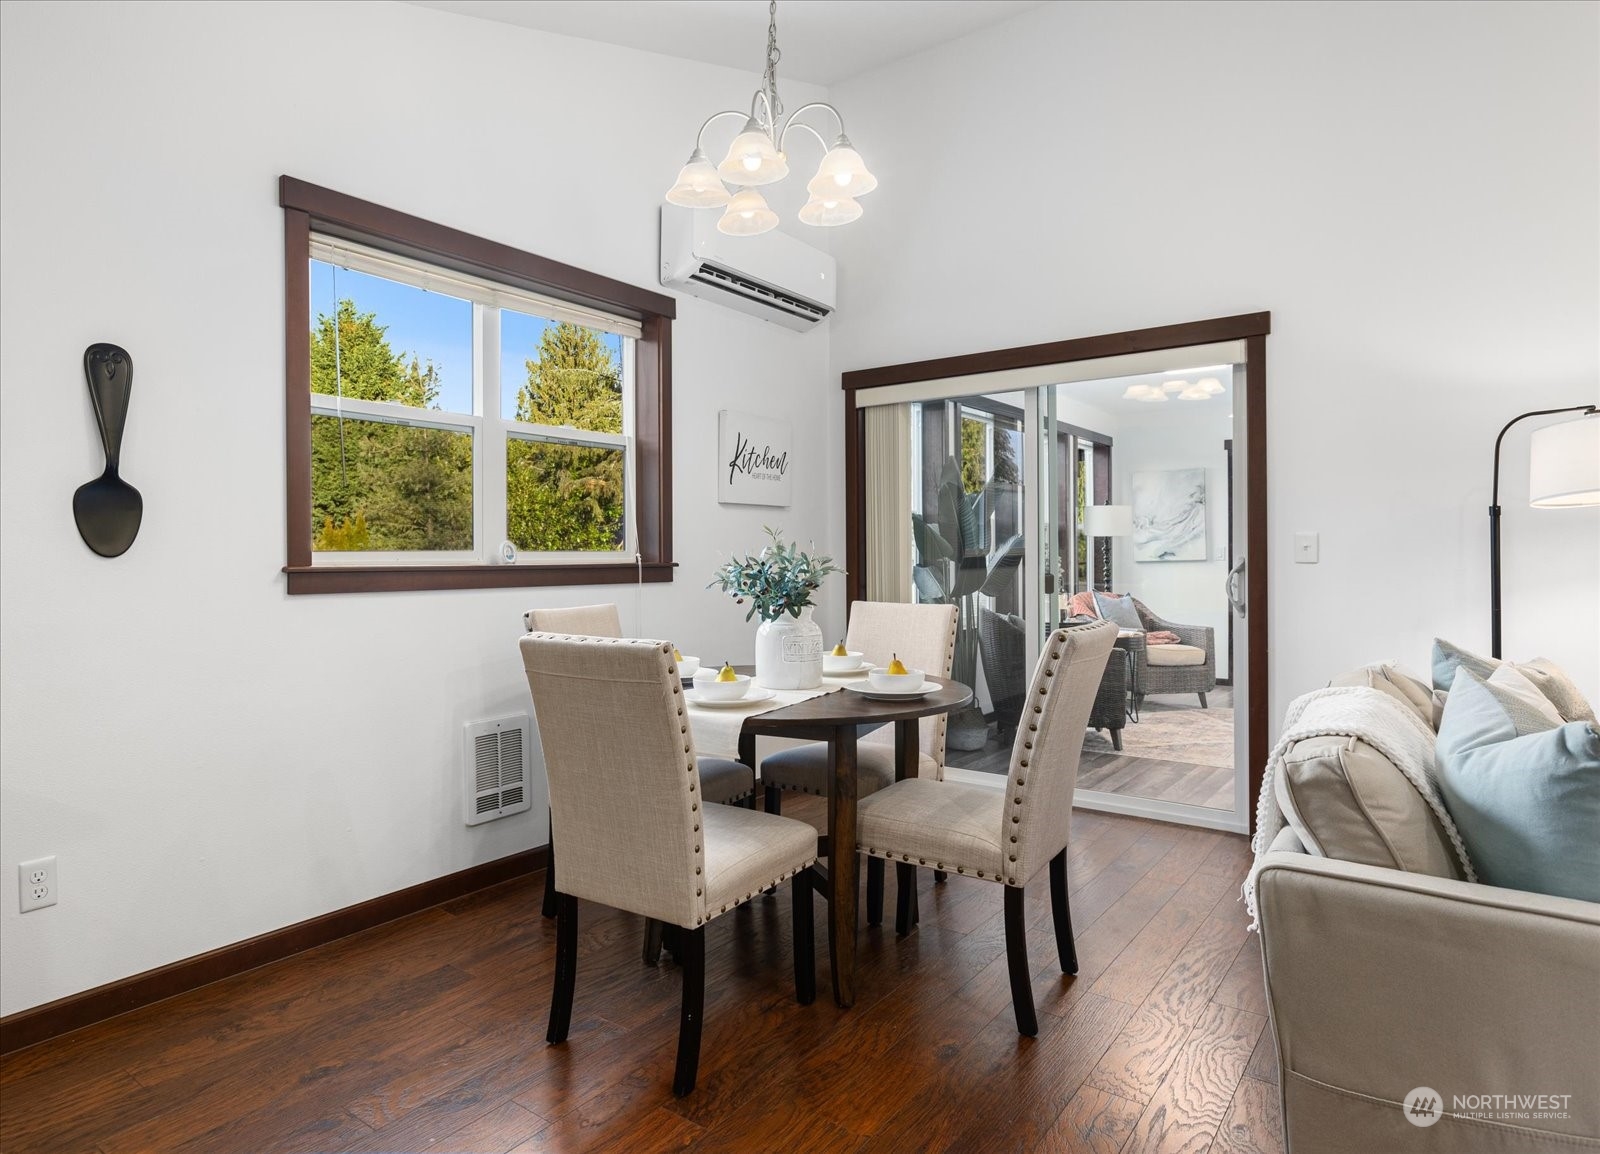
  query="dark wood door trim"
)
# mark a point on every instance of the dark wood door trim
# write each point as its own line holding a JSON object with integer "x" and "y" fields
{"x": 1252, "y": 328}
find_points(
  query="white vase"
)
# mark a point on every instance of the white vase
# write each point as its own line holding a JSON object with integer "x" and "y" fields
{"x": 789, "y": 652}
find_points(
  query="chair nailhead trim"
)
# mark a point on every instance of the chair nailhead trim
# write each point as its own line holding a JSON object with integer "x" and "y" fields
{"x": 1015, "y": 819}
{"x": 1016, "y": 801}
{"x": 1013, "y": 839}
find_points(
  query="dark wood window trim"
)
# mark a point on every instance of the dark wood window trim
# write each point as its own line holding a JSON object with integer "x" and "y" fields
{"x": 1252, "y": 328}
{"x": 307, "y": 207}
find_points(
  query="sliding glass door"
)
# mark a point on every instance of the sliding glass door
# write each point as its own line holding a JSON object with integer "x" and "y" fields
{"x": 1025, "y": 498}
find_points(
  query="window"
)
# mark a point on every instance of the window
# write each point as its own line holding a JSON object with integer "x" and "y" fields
{"x": 446, "y": 394}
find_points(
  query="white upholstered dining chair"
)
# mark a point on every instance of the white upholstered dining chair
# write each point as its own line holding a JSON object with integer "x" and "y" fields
{"x": 922, "y": 636}
{"x": 1009, "y": 835}
{"x": 722, "y": 780}
{"x": 629, "y": 812}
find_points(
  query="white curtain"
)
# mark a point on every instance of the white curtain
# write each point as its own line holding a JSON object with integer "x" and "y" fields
{"x": 888, "y": 486}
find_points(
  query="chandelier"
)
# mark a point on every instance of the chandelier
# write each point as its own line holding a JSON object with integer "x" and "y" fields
{"x": 756, "y": 158}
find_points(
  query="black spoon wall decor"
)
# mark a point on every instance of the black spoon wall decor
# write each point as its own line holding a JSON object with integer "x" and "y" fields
{"x": 108, "y": 509}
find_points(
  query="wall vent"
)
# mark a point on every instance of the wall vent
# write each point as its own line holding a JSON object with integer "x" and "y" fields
{"x": 495, "y": 767}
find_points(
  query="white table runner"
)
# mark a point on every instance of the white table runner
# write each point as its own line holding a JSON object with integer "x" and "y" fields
{"x": 716, "y": 728}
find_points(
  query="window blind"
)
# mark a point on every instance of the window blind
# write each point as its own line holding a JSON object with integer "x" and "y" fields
{"x": 348, "y": 254}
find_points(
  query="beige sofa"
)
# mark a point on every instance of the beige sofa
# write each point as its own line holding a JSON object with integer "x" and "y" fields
{"x": 1387, "y": 972}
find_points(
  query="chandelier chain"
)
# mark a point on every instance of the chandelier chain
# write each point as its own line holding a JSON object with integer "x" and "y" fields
{"x": 774, "y": 54}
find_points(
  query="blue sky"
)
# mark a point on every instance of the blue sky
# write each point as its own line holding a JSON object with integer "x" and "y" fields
{"x": 438, "y": 328}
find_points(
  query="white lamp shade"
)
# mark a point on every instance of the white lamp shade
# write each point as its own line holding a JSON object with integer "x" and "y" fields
{"x": 1211, "y": 385}
{"x": 753, "y": 159}
{"x": 828, "y": 210}
{"x": 1564, "y": 464}
{"x": 1108, "y": 520}
{"x": 842, "y": 173}
{"x": 747, "y": 214}
{"x": 698, "y": 185}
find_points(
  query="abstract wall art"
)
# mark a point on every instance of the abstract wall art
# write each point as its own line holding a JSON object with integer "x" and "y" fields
{"x": 1169, "y": 515}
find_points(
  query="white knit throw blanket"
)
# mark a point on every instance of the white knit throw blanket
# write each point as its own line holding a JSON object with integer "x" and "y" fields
{"x": 1377, "y": 719}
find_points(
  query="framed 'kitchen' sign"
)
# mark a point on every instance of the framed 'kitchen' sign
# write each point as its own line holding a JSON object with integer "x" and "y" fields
{"x": 753, "y": 459}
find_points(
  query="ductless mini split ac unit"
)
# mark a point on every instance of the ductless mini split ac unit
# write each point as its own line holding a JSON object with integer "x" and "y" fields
{"x": 771, "y": 276}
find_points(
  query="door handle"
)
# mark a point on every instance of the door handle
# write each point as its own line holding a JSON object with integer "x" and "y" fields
{"x": 1234, "y": 587}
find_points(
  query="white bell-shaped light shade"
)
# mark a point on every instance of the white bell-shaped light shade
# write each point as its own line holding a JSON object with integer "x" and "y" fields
{"x": 1139, "y": 392}
{"x": 698, "y": 185}
{"x": 1564, "y": 464}
{"x": 828, "y": 210}
{"x": 842, "y": 173}
{"x": 747, "y": 214}
{"x": 1195, "y": 393}
{"x": 753, "y": 159}
{"x": 1211, "y": 385}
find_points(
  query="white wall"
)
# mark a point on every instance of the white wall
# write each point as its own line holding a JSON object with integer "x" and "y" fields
{"x": 1189, "y": 592}
{"x": 1411, "y": 189}
{"x": 208, "y": 758}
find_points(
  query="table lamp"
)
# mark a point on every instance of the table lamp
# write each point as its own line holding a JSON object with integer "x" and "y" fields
{"x": 1107, "y": 521}
{"x": 1563, "y": 473}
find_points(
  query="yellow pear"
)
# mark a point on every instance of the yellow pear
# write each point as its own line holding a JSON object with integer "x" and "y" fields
{"x": 726, "y": 673}
{"x": 897, "y": 668}
{"x": 677, "y": 654}
{"x": 840, "y": 651}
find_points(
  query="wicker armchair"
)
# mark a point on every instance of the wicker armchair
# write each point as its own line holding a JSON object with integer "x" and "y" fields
{"x": 1179, "y": 669}
{"x": 1002, "y": 642}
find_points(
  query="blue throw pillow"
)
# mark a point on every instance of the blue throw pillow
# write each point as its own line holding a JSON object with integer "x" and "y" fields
{"x": 1447, "y": 658}
{"x": 1524, "y": 794}
{"x": 1118, "y": 609}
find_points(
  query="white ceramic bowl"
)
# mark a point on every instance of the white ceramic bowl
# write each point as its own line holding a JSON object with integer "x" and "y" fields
{"x": 689, "y": 666}
{"x": 879, "y": 677}
{"x": 833, "y": 664}
{"x": 708, "y": 687}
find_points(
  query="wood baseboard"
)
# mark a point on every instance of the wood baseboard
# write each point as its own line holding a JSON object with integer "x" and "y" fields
{"x": 40, "y": 1023}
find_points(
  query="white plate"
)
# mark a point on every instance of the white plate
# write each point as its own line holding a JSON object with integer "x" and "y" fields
{"x": 864, "y": 687}
{"x": 756, "y": 693}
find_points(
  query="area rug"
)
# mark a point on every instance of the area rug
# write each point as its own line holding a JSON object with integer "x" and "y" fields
{"x": 1173, "y": 733}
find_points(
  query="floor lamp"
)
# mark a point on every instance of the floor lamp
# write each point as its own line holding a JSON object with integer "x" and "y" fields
{"x": 1563, "y": 472}
{"x": 1107, "y": 521}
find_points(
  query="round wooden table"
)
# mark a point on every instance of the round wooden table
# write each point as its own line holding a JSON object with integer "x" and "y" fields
{"x": 836, "y": 719}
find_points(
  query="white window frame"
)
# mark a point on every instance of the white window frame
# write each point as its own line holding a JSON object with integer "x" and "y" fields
{"x": 489, "y": 430}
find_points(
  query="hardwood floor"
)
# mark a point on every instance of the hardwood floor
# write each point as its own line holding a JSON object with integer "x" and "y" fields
{"x": 428, "y": 1033}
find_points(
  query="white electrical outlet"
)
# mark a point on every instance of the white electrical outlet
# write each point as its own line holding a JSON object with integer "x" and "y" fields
{"x": 36, "y": 883}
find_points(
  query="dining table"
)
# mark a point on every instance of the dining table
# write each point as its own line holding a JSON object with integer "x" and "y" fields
{"x": 835, "y": 716}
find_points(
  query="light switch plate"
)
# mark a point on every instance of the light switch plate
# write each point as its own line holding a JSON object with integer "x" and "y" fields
{"x": 1305, "y": 548}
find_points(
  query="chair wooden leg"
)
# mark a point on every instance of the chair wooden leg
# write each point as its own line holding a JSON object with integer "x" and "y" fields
{"x": 1203, "y": 704}
{"x": 874, "y": 891}
{"x": 1116, "y": 739}
{"x": 550, "y": 875}
{"x": 774, "y": 799}
{"x": 566, "y": 968}
{"x": 653, "y": 933}
{"x": 940, "y": 877}
{"x": 1017, "y": 962}
{"x": 692, "y": 953}
{"x": 905, "y": 892}
{"x": 1061, "y": 911}
{"x": 805, "y": 940}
